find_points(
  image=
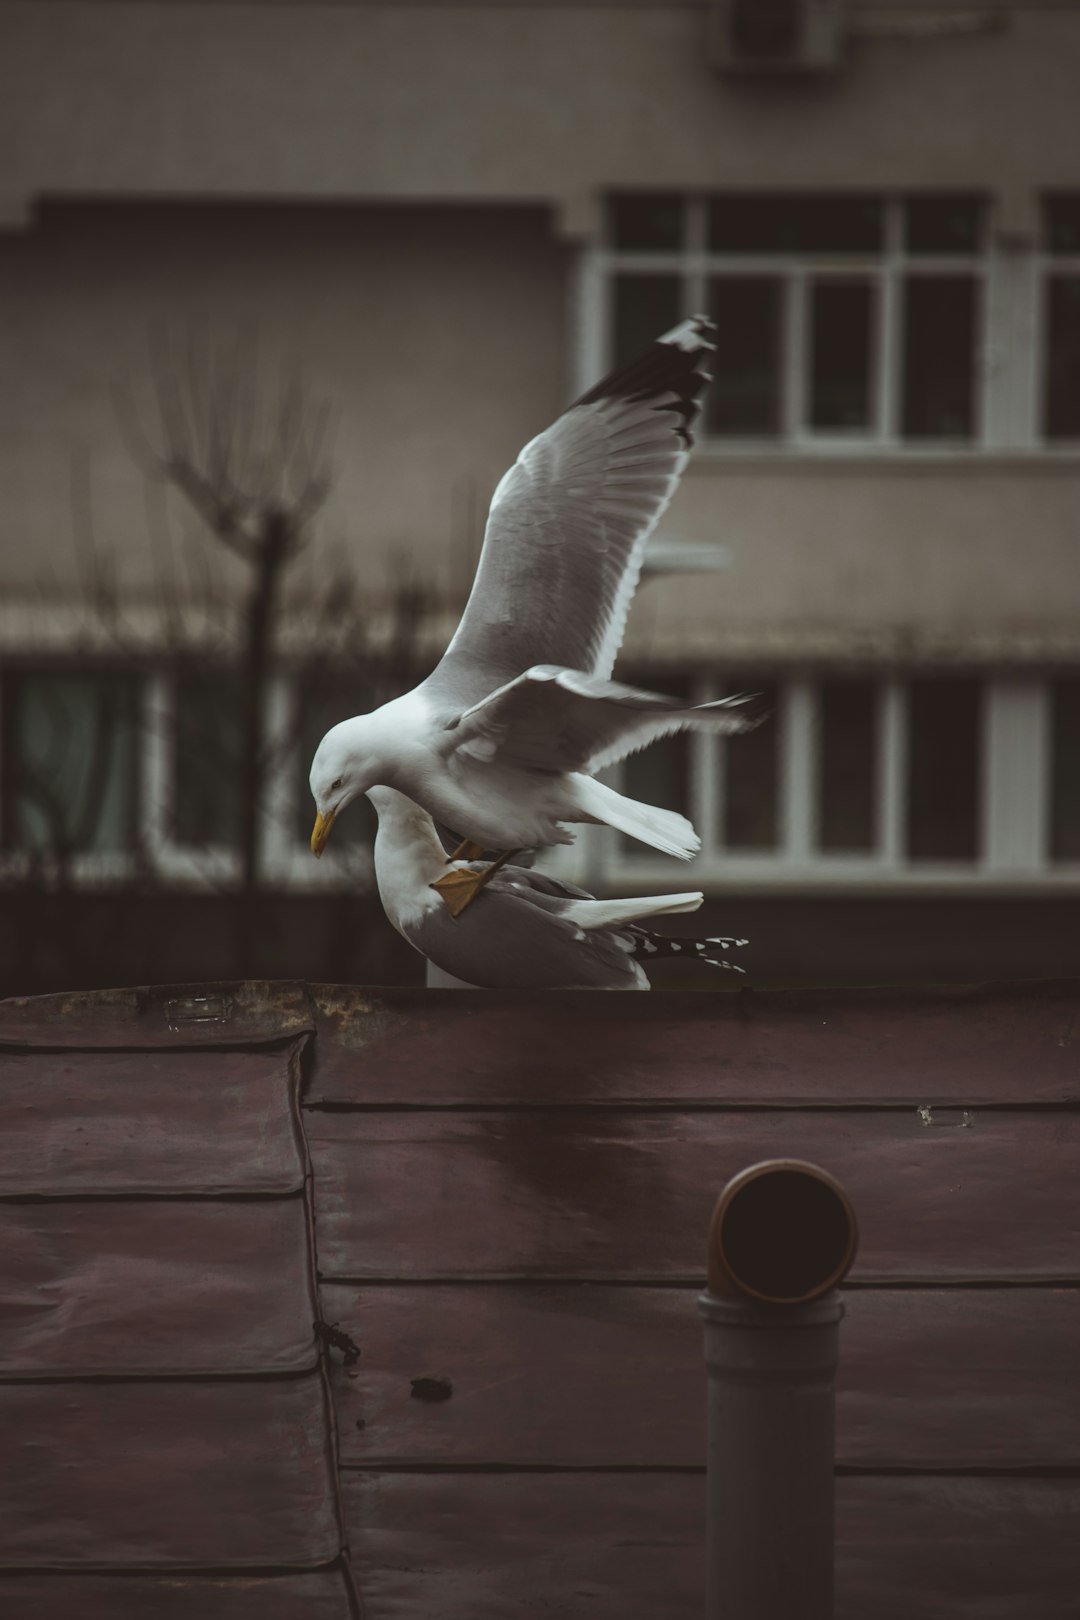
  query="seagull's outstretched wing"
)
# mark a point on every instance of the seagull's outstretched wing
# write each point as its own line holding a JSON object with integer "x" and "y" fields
{"x": 562, "y": 720}
{"x": 569, "y": 521}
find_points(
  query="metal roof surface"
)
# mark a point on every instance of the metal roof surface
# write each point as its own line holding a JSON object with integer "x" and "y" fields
{"x": 511, "y": 1194}
{"x": 168, "y": 1437}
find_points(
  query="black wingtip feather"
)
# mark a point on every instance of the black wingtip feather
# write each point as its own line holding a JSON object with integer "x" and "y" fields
{"x": 652, "y": 947}
{"x": 675, "y": 365}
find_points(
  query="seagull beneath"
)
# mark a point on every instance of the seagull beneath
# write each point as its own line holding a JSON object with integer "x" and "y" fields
{"x": 502, "y": 740}
{"x": 526, "y": 930}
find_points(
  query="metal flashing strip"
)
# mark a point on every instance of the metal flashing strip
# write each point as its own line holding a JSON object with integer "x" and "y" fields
{"x": 170, "y": 1438}
{"x": 158, "y": 1123}
{"x": 149, "y": 1017}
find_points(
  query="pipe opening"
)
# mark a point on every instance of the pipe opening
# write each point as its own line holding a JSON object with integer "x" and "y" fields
{"x": 783, "y": 1233}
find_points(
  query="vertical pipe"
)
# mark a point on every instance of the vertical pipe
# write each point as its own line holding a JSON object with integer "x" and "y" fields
{"x": 783, "y": 1235}
{"x": 771, "y": 1371}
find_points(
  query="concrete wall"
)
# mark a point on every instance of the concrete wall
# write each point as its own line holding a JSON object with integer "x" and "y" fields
{"x": 550, "y": 101}
{"x": 878, "y": 560}
{"x": 437, "y": 334}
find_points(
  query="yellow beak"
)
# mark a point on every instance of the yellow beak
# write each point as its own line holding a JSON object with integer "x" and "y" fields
{"x": 321, "y": 832}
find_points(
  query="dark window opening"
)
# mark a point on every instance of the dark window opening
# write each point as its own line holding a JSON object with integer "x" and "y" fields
{"x": 207, "y": 760}
{"x": 944, "y": 756}
{"x": 795, "y": 223}
{"x": 943, "y": 224}
{"x": 847, "y": 776}
{"x": 643, "y": 309}
{"x": 1061, "y": 222}
{"x": 646, "y": 222}
{"x": 70, "y": 762}
{"x": 841, "y": 354}
{"x": 766, "y": 30}
{"x": 939, "y": 325}
{"x": 751, "y": 774}
{"x": 1061, "y": 358}
{"x": 1065, "y": 771}
{"x": 744, "y": 397}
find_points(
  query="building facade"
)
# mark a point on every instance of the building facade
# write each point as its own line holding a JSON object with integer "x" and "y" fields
{"x": 451, "y": 218}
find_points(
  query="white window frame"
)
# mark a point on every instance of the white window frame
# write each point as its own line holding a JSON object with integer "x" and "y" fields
{"x": 285, "y": 860}
{"x": 1013, "y": 804}
{"x": 1046, "y": 267}
{"x": 1005, "y": 395}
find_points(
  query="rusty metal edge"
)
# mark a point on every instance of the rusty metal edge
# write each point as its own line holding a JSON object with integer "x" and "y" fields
{"x": 305, "y": 1047}
{"x": 227, "y": 1013}
{"x": 262, "y": 1012}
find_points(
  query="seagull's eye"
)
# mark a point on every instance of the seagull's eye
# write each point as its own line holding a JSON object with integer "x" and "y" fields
{"x": 338, "y": 782}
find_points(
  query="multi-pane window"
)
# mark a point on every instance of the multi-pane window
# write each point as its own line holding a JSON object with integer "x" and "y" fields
{"x": 842, "y": 318}
{"x": 1061, "y": 317}
{"x": 850, "y": 778}
{"x": 70, "y": 762}
{"x": 860, "y": 776}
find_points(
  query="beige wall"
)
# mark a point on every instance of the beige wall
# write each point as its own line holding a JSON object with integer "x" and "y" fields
{"x": 439, "y": 335}
{"x": 936, "y": 560}
{"x": 544, "y": 101}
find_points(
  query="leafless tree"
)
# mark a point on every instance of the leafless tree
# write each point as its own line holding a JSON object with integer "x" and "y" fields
{"x": 246, "y": 445}
{"x": 251, "y": 455}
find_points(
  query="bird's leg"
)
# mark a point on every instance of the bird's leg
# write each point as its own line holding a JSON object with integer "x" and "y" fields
{"x": 459, "y": 889}
{"x": 467, "y": 851}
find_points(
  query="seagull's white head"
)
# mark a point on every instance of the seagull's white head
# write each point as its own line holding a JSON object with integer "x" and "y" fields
{"x": 344, "y": 766}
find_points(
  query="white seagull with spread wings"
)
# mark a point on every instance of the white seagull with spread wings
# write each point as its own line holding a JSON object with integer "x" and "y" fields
{"x": 501, "y": 740}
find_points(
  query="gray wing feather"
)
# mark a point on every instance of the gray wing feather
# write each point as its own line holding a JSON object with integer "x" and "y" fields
{"x": 504, "y": 941}
{"x": 569, "y": 522}
{"x": 563, "y": 720}
{"x": 536, "y": 885}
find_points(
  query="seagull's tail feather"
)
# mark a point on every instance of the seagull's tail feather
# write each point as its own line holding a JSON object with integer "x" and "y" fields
{"x": 650, "y": 947}
{"x": 590, "y": 914}
{"x": 665, "y": 830}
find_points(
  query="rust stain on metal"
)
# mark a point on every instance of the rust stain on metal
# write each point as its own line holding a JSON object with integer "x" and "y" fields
{"x": 159, "y": 1015}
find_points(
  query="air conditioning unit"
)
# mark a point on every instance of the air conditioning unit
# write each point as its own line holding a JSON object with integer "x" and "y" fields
{"x": 776, "y": 36}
